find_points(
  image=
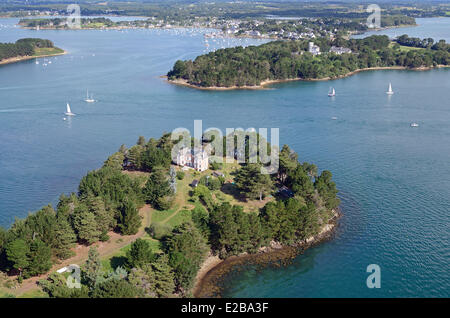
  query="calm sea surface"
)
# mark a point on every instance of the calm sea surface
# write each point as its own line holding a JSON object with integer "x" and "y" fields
{"x": 394, "y": 180}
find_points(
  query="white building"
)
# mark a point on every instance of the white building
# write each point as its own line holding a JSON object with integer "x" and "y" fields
{"x": 313, "y": 49}
{"x": 340, "y": 50}
{"x": 195, "y": 158}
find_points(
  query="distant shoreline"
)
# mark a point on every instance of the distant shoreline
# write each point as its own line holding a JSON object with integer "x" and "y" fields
{"x": 213, "y": 268}
{"x": 25, "y": 58}
{"x": 264, "y": 84}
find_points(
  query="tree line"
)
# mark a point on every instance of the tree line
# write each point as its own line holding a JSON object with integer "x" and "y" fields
{"x": 107, "y": 200}
{"x": 280, "y": 60}
{"x": 23, "y": 47}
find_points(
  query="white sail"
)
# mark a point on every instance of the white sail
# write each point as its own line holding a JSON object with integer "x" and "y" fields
{"x": 68, "y": 111}
{"x": 332, "y": 92}
{"x": 390, "y": 91}
{"x": 89, "y": 99}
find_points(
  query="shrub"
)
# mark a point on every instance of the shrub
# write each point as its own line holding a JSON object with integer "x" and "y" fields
{"x": 215, "y": 165}
{"x": 159, "y": 230}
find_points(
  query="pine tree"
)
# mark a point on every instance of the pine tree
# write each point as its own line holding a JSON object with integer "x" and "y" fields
{"x": 91, "y": 270}
{"x": 115, "y": 288}
{"x": 164, "y": 285}
{"x": 142, "y": 279}
{"x": 252, "y": 183}
{"x": 187, "y": 249}
{"x": 300, "y": 182}
{"x": 123, "y": 149}
{"x": 115, "y": 161}
{"x": 155, "y": 279}
{"x": 156, "y": 188}
{"x": 65, "y": 239}
{"x": 40, "y": 258}
{"x": 139, "y": 254}
{"x": 141, "y": 141}
{"x": 85, "y": 225}
{"x": 134, "y": 155}
{"x": 17, "y": 253}
{"x": 130, "y": 220}
{"x": 104, "y": 218}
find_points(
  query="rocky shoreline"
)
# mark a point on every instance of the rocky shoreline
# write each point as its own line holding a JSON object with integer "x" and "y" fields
{"x": 210, "y": 276}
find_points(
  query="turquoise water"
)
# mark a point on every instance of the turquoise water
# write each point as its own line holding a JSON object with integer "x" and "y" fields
{"x": 394, "y": 179}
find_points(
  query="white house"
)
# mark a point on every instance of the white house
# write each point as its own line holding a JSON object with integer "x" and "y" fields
{"x": 313, "y": 49}
{"x": 340, "y": 50}
{"x": 196, "y": 158}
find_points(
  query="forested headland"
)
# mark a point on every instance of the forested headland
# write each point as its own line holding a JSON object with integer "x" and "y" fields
{"x": 233, "y": 209}
{"x": 28, "y": 47}
{"x": 285, "y": 60}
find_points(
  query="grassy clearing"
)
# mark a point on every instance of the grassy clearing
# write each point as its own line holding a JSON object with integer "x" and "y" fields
{"x": 180, "y": 218}
{"x": 111, "y": 262}
{"x": 47, "y": 51}
{"x": 404, "y": 48}
{"x": 96, "y": 25}
{"x": 160, "y": 216}
{"x": 228, "y": 192}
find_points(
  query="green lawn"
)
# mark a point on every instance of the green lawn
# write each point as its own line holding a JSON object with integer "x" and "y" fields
{"x": 159, "y": 216}
{"x": 47, "y": 51}
{"x": 404, "y": 48}
{"x": 118, "y": 259}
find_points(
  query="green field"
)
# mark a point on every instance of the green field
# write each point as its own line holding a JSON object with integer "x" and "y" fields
{"x": 47, "y": 51}
{"x": 404, "y": 48}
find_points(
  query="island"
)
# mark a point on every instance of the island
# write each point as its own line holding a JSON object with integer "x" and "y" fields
{"x": 318, "y": 59}
{"x": 249, "y": 27}
{"x": 150, "y": 224}
{"x": 28, "y": 48}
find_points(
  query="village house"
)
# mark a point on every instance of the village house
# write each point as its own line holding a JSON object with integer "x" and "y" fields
{"x": 313, "y": 49}
{"x": 196, "y": 158}
{"x": 340, "y": 50}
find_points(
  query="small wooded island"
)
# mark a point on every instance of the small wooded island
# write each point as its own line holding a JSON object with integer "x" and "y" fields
{"x": 144, "y": 224}
{"x": 318, "y": 59}
{"x": 27, "y": 48}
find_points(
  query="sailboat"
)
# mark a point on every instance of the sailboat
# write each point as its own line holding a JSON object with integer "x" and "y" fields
{"x": 390, "y": 91}
{"x": 68, "y": 111}
{"x": 89, "y": 99}
{"x": 332, "y": 93}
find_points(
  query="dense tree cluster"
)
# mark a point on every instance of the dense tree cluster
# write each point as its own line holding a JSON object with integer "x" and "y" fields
{"x": 108, "y": 199}
{"x": 281, "y": 60}
{"x": 288, "y": 221}
{"x": 23, "y": 47}
{"x": 233, "y": 231}
{"x": 427, "y": 43}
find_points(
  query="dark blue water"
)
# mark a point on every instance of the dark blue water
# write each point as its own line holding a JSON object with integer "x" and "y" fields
{"x": 394, "y": 179}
